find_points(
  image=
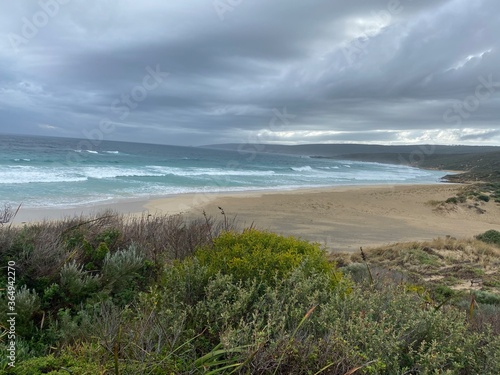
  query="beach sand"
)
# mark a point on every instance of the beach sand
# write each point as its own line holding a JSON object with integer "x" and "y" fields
{"x": 341, "y": 218}
{"x": 345, "y": 218}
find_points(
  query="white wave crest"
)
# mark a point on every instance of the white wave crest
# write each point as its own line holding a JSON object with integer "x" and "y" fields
{"x": 307, "y": 168}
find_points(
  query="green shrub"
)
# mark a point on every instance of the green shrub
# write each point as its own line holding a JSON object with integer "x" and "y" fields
{"x": 122, "y": 273}
{"x": 357, "y": 271}
{"x": 237, "y": 313}
{"x": 24, "y": 240}
{"x": 491, "y": 236}
{"x": 392, "y": 328}
{"x": 264, "y": 256}
{"x": 487, "y": 297}
{"x": 121, "y": 267}
{"x": 419, "y": 256}
{"x": 94, "y": 257}
{"x": 77, "y": 285}
{"x": 27, "y": 307}
{"x": 453, "y": 200}
{"x": 74, "y": 239}
{"x": 450, "y": 280}
{"x": 442, "y": 293}
{"x": 52, "y": 365}
{"x": 249, "y": 286}
{"x": 70, "y": 327}
{"x": 483, "y": 197}
{"x": 109, "y": 237}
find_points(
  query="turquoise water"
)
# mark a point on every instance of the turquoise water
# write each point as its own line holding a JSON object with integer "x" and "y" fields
{"x": 58, "y": 172}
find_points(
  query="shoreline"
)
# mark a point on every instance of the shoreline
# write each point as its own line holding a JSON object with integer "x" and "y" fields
{"x": 182, "y": 203}
{"x": 341, "y": 218}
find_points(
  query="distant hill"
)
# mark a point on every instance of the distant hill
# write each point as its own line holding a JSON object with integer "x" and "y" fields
{"x": 481, "y": 163}
{"x": 483, "y": 167}
{"x": 336, "y": 150}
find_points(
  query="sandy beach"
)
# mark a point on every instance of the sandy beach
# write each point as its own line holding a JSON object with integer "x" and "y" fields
{"x": 346, "y": 218}
{"x": 341, "y": 218}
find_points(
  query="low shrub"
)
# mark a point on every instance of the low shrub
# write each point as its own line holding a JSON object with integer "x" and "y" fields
{"x": 487, "y": 297}
{"x": 453, "y": 200}
{"x": 442, "y": 293}
{"x": 491, "y": 236}
{"x": 484, "y": 197}
{"x": 264, "y": 256}
{"x": 61, "y": 365}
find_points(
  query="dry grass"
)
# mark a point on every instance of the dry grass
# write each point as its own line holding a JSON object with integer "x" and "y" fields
{"x": 41, "y": 249}
{"x": 453, "y": 261}
{"x": 451, "y": 270}
{"x": 462, "y": 259}
{"x": 448, "y": 250}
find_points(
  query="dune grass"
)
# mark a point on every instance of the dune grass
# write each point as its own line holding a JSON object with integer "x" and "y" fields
{"x": 452, "y": 271}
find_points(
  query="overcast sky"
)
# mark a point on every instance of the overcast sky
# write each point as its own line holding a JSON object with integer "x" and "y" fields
{"x": 271, "y": 71}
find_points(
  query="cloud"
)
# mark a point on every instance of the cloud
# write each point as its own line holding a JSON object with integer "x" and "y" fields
{"x": 481, "y": 135}
{"x": 47, "y": 127}
{"x": 360, "y": 71}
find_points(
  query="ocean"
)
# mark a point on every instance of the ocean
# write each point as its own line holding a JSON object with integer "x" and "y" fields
{"x": 42, "y": 172}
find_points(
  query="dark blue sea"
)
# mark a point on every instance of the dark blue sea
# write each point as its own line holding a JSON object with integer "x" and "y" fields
{"x": 57, "y": 172}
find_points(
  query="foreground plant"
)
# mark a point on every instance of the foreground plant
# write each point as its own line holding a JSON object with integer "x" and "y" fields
{"x": 240, "y": 303}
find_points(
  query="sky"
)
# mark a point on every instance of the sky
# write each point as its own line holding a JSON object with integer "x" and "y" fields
{"x": 252, "y": 71}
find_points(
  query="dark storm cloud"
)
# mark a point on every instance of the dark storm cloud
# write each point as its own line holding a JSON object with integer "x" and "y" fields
{"x": 393, "y": 71}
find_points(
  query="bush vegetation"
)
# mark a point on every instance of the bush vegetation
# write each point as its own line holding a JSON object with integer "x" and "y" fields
{"x": 491, "y": 236}
{"x": 475, "y": 194}
{"x": 164, "y": 295}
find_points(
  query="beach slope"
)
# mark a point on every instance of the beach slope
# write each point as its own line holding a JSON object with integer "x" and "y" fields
{"x": 345, "y": 218}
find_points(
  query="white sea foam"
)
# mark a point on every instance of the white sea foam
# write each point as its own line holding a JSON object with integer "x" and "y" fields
{"x": 114, "y": 172}
{"x": 186, "y": 172}
{"x": 307, "y": 168}
{"x": 28, "y": 174}
{"x": 19, "y": 174}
